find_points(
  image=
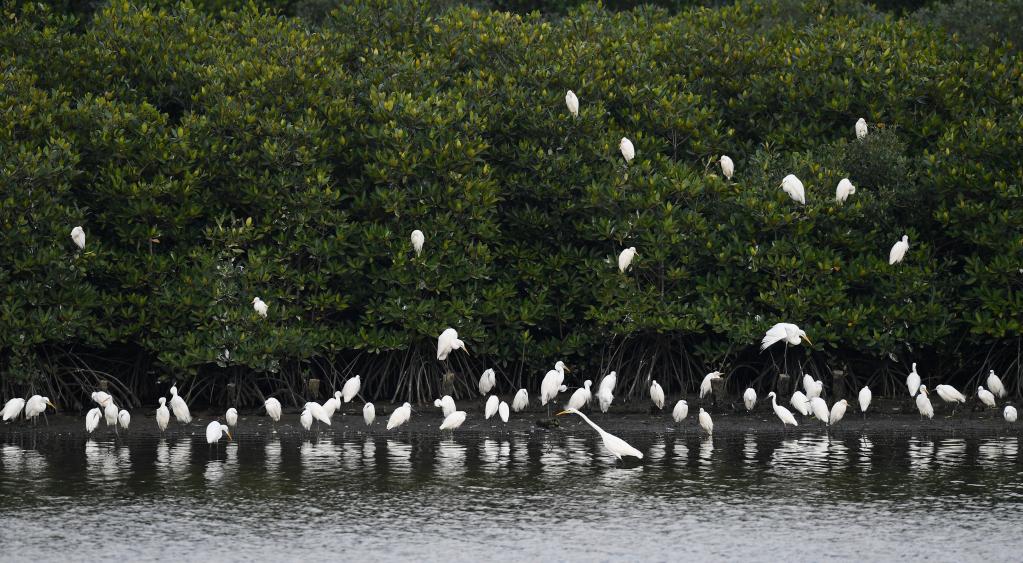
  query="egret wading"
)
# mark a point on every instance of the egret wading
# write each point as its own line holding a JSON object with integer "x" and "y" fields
{"x": 781, "y": 412}
{"x": 618, "y": 447}
{"x": 273, "y": 410}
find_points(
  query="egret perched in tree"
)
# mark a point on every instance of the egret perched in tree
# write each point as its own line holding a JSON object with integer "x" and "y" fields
{"x": 572, "y": 102}
{"x": 898, "y": 251}
{"x": 369, "y": 413}
{"x": 259, "y": 306}
{"x": 162, "y": 414}
{"x": 231, "y": 417}
{"x": 913, "y": 381}
{"x": 727, "y": 166}
{"x": 273, "y": 410}
{"x": 706, "y": 386}
{"x": 552, "y": 382}
{"x": 801, "y": 403}
{"x": 418, "y": 240}
{"x": 681, "y": 411}
{"x": 306, "y": 419}
{"x": 861, "y": 128}
{"x": 502, "y": 411}
{"x": 749, "y": 399}
{"x": 791, "y": 334}
{"x": 78, "y": 236}
{"x": 581, "y": 397}
{"x": 92, "y": 419}
{"x": 110, "y": 414}
{"x": 491, "y": 408}
{"x": 215, "y": 430}
{"x": 986, "y": 397}
{"x": 838, "y": 412}
{"x": 1009, "y": 413}
{"x": 844, "y": 190}
{"x": 923, "y": 404}
{"x": 487, "y": 381}
{"x": 706, "y": 422}
{"x": 399, "y": 416}
{"x": 792, "y": 186}
{"x": 820, "y": 410}
{"x": 657, "y": 395}
{"x": 123, "y": 418}
{"x": 101, "y": 398}
{"x": 865, "y": 397}
{"x": 605, "y": 392}
{"x": 36, "y": 405}
{"x": 625, "y": 258}
{"x": 994, "y": 383}
{"x": 521, "y": 400}
{"x": 813, "y": 388}
{"x": 453, "y": 420}
{"x": 628, "y": 151}
{"x": 351, "y": 388}
{"x": 781, "y": 412}
{"x": 612, "y": 443}
{"x": 446, "y": 404}
{"x": 448, "y": 342}
{"x": 950, "y": 394}
{"x": 178, "y": 406}
{"x": 316, "y": 410}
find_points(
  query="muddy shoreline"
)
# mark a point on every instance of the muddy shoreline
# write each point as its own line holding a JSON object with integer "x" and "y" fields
{"x": 889, "y": 417}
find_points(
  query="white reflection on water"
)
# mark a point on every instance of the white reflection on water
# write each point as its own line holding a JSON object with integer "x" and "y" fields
{"x": 996, "y": 451}
{"x": 399, "y": 456}
{"x": 450, "y": 460}
{"x": 107, "y": 461}
{"x": 25, "y": 463}
{"x": 272, "y": 453}
{"x": 222, "y": 463}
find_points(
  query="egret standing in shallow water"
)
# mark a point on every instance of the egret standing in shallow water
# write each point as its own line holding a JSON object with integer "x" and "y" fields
{"x": 488, "y": 380}
{"x": 399, "y": 416}
{"x": 36, "y": 405}
{"x": 749, "y": 399}
{"x": 178, "y": 406}
{"x": 369, "y": 413}
{"x": 923, "y": 404}
{"x": 162, "y": 414}
{"x": 12, "y": 409}
{"x": 110, "y": 414}
{"x": 706, "y": 422}
{"x": 521, "y": 400}
{"x": 215, "y": 430}
{"x": 994, "y": 383}
{"x": 448, "y": 342}
{"x": 986, "y": 397}
{"x": 306, "y": 419}
{"x": 898, "y": 251}
{"x": 92, "y": 419}
{"x": 231, "y": 417}
{"x": 950, "y": 394}
{"x": 453, "y": 420}
{"x": 273, "y": 410}
{"x": 800, "y": 402}
{"x": 351, "y": 389}
{"x": 625, "y": 258}
{"x": 865, "y": 397}
{"x": 316, "y": 410}
{"x": 781, "y": 412}
{"x": 680, "y": 411}
{"x": 657, "y": 395}
{"x": 727, "y": 166}
{"x": 612, "y": 443}
{"x": 581, "y": 397}
{"x": 820, "y": 410}
{"x": 1009, "y": 413}
{"x": 491, "y": 408}
{"x": 913, "y": 381}
{"x": 502, "y": 411}
{"x": 792, "y": 186}
{"x": 837, "y": 412}
{"x": 123, "y": 419}
{"x": 552, "y": 383}
{"x": 446, "y": 404}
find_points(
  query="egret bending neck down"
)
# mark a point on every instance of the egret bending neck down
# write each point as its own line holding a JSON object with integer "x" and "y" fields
{"x": 614, "y": 444}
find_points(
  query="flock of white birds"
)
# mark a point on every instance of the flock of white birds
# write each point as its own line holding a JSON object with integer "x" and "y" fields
{"x": 808, "y": 402}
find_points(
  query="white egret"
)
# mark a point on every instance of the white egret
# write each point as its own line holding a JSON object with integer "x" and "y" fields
{"x": 791, "y": 334}
{"x": 923, "y": 404}
{"x": 861, "y": 128}
{"x": 707, "y": 385}
{"x": 78, "y": 236}
{"x": 488, "y": 380}
{"x": 178, "y": 406}
{"x": 792, "y": 186}
{"x": 727, "y": 166}
{"x": 231, "y": 417}
{"x": 351, "y": 388}
{"x": 215, "y": 431}
{"x": 657, "y": 395}
{"x": 950, "y": 394}
{"x": 865, "y": 397}
{"x": 986, "y": 397}
{"x": 749, "y": 398}
{"x": 446, "y": 404}
{"x": 552, "y": 382}
{"x": 813, "y": 388}
{"x": 502, "y": 411}
{"x": 801, "y": 403}
{"x": 273, "y": 410}
{"x": 491, "y": 408}
{"x": 625, "y": 258}
{"x": 110, "y": 414}
{"x": 706, "y": 422}
{"x": 12, "y": 409}
{"x": 369, "y": 413}
{"x": 399, "y": 416}
{"x": 36, "y": 405}
{"x": 898, "y": 251}
{"x": 123, "y": 418}
{"x": 448, "y": 342}
{"x": 581, "y": 397}
{"x": 101, "y": 398}
{"x": 680, "y": 411}
{"x": 628, "y": 151}
{"x": 418, "y": 240}
{"x": 844, "y": 190}
{"x": 612, "y": 443}
{"x": 162, "y": 414}
{"x": 259, "y": 306}
{"x": 1009, "y": 413}
{"x": 92, "y": 419}
{"x": 605, "y": 392}
{"x": 306, "y": 419}
{"x": 453, "y": 420}
{"x": 316, "y": 410}
{"x": 994, "y": 383}
{"x": 781, "y": 412}
{"x": 913, "y": 381}
{"x": 572, "y": 101}
{"x": 837, "y": 412}
{"x": 331, "y": 405}
{"x": 820, "y": 410}
{"x": 521, "y": 400}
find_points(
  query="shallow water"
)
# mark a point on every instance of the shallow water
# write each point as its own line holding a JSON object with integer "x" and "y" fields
{"x": 753, "y": 497}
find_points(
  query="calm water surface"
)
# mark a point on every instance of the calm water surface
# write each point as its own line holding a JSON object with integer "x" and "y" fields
{"x": 751, "y": 497}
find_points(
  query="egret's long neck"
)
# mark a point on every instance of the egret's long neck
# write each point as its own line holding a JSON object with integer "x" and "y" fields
{"x": 590, "y": 422}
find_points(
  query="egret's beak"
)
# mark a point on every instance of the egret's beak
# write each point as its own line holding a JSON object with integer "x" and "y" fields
{"x": 562, "y": 412}
{"x": 566, "y": 368}
{"x": 52, "y": 405}
{"x": 807, "y": 339}
{"x": 229, "y": 435}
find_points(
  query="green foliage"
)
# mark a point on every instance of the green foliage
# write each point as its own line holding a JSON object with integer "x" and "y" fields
{"x": 215, "y": 157}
